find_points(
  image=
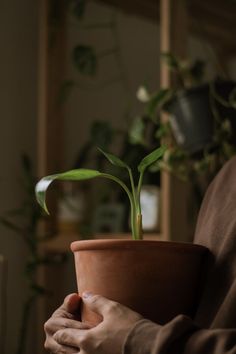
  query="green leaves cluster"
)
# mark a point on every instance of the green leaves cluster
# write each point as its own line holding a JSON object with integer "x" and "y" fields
{"x": 188, "y": 73}
{"x": 23, "y": 222}
{"x": 85, "y": 61}
{"x": 133, "y": 191}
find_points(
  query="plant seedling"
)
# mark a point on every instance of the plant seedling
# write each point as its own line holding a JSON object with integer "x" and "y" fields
{"x": 132, "y": 191}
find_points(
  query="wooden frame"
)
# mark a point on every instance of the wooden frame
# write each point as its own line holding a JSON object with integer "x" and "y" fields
{"x": 173, "y": 31}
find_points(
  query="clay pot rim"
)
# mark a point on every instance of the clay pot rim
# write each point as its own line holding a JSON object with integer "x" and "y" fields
{"x": 105, "y": 244}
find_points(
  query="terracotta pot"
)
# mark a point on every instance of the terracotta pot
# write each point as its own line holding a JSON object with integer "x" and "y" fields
{"x": 155, "y": 278}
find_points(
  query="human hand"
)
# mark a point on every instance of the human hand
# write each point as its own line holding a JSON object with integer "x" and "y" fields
{"x": 66, "y": 316}
{"x": 107, "y": 337}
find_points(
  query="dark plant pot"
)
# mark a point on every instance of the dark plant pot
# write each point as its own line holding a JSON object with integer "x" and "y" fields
{"x": 155, "y": 278}
{"x": 191, "y": 115}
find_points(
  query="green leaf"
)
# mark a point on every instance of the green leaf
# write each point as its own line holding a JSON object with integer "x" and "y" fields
{"x": 164, "y": 130}
{"x": 85, "y": 60}
{"x": 78, "y": 8}
{"x": 116, "y": 161}
{"x": 158, "y": 100}
{"x": 137, "y": 131}
{"x": 101, "y": 133}
{"x": 151, "y": 158}
{"x": 170, "y": 60}
{"x": 72, "y": 175}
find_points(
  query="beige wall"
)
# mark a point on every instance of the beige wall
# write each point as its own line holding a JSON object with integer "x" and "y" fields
{"x": 18, "y": 90}
{"x": 138, "y": 39}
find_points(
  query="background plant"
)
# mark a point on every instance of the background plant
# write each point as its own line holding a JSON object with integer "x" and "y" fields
{"x": 149, "y": 129}
{"x": 24, "y": 221}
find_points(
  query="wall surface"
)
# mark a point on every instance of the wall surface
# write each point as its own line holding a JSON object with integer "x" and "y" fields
{"x": 111, "y": 94}
{"x": 18, "y": 109}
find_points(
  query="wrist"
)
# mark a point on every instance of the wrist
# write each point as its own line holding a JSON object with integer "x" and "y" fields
{"x": 140, "y": 338}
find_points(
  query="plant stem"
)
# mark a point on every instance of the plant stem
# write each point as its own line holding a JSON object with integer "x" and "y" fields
{"x": 140, "y": 182}
{"x": 139, "y": 226}
{"x": 139, "y": 209}
{"x": 132, "y": 203}
{"x": 132, "y": 184}
{"x": 137, "y": 217}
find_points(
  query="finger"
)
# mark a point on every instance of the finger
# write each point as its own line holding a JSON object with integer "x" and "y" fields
{"x": 72, "y": 302}
{"x": 56, "y": 323}
{"x": 98, "y": 304}
{"x": 69, "y": 307}
{"x": 70, "y": 337}
{"x": 53, "y": 347}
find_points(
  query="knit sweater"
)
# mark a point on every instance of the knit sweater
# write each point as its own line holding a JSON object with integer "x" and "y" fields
{"x": 213, "y": 329}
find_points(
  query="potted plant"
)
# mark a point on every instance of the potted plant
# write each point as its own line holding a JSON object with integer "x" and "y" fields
{"x": 158, "y": 279}
{"x": 195, "y": 108}
{"x": 200, "y": 128}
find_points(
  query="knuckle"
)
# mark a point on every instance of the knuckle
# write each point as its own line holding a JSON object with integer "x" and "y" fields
{"x": 95, "y": 299}
{"x": 59, "y": 313}
{"x": 47, "y": 345}
{"x": 84, "y": 341}
{"x": 63, "y": 337}
{"x": 113, "y": 306}
{"x": 66, "y": 323}
{"x": 47, "y": 326}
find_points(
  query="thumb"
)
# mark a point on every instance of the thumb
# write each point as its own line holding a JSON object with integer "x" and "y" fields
{"x": 98, "y": 303}
{"x": 71, "y": 303}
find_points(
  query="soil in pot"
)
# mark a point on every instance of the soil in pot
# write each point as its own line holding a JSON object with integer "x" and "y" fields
{"x": 155, "y": 278}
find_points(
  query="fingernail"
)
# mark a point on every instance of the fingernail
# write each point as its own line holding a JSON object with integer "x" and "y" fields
{"x": 86, "y": 294}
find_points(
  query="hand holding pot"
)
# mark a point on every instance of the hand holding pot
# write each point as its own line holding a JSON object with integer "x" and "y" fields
{"x": 107, "y": 337}
{"x": 66, "y": 316}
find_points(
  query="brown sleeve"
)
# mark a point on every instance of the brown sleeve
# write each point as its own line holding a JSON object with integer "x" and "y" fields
{"x": 180, "y": 336}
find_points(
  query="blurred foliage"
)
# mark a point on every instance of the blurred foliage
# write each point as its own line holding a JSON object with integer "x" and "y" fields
{"x": 23, "y": 221}
{"x": 188, "y": 73}
{"x": 78, "y": 8}
{"x": 199, "y": 168}
{"x": 85, "y": 60}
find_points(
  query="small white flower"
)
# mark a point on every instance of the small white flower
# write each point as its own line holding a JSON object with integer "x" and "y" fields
{"x": 143, "y": 94}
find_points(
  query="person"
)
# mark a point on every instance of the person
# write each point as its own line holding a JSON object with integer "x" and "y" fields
{"x": 123, "y": 331}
